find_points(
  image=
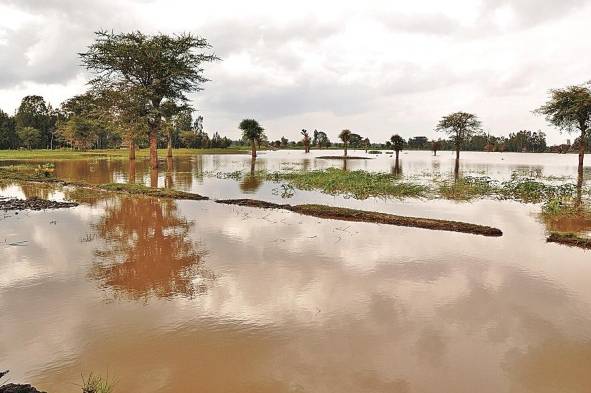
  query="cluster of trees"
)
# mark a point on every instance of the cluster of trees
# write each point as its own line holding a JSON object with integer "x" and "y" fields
{"x": 82, "y": 122}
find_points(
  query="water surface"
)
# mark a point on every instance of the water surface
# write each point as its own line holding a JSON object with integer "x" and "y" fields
{"x": 175, "y": 296}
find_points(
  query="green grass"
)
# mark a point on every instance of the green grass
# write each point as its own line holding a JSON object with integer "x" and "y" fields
{"x": 139, "y": 189}
{"x": 465, "y": 188}
{"x": 67, "y": 154}
{"x": 356, "y": 184}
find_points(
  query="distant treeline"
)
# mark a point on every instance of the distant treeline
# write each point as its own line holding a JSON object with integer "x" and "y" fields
{"x": 37, "y": 125}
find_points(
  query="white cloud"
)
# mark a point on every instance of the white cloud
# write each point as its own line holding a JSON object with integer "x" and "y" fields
{"x": 374, "y": 66}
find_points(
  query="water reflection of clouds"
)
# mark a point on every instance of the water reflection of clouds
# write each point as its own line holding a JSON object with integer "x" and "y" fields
{"x": 302, "y": 303}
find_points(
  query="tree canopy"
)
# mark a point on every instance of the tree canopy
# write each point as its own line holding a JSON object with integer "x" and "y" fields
{"x": 155, "y": 68}
{"x": 460, "y": 126}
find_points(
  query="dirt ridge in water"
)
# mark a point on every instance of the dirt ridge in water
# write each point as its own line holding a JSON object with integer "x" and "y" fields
{"x": 33, "y": 204}
{"x": 570, "y": 239}
{"x": 344, "y": 214}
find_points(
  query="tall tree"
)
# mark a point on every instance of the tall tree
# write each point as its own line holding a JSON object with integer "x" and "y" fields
{"x": 460, "y": 126}
{"x": 397, "y": 144}
{"x": 29, "y": 137}
{"x": 345, "y": 136}
{"x": 569, "y": 109}
{"x": 252, "y": 132}
{"x": 157, "y": 67}
{"x": 8, "y": 137}
{"x": 33, "y": 112}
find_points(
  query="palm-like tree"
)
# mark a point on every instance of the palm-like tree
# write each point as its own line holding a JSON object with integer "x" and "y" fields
{"x": 253, "y": 132}
{"x": 345, "y": 136}
{"x": 397, "y": 144}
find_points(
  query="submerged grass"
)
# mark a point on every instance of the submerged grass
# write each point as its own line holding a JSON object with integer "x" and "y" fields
{"x": 96, "y": 384}
{"x": 356, "y": 184}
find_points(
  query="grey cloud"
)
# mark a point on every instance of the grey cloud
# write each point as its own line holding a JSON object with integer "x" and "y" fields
{"x": 63, "y": 29}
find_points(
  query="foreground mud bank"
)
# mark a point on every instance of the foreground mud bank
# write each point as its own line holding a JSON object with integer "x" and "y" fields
{"x": 33, "y": 204}
{"x": 14, "y": 388}
{"x": 343, "y": 214}
{"x": 570, "y": 239}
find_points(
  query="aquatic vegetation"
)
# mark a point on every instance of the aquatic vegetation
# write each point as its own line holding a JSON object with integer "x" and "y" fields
{"x": 355, "y": 184}
{"x": 465, "y": 188}
{"x": 97, "y": 384}
{"x": 140, "y": 189}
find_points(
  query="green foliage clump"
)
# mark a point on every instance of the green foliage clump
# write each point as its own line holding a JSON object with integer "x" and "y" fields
{"x": 357, "y": 184}
{"x": 466, "y": 188}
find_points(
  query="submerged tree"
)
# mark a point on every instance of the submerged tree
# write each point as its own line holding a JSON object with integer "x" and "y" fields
{"x": 157, "y": 68}
{"x": 252, "y": 132}
{"x": 397, "y": 144}
{"x": 435, "y": 146}
{"x": 306, "y": 141}
{"x": 345, "y": 136}
{"x": 569, "y": 109}
{"x": 460, "y": 126}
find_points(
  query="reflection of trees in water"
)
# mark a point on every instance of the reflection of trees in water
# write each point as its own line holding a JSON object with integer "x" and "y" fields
{"x": 251, "y": 182}
{"x": 148, "y": 251}
{"x": 396, "y": 169}
{"x": 37, "y": 190}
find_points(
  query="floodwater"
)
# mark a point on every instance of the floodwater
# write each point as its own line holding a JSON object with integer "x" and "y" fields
{"x": 183, "y": 296}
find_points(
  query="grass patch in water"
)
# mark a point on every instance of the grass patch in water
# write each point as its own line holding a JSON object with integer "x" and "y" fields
{"x": 139, "y": 189}
{"x": 97, "y": 384}
{"x": 465, "y": 188}
{"x": 356, "y": 184}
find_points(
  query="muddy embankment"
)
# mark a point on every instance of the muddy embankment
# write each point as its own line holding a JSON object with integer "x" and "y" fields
{"x": 343, "y": 214}
{"x": 33, "y": 204}
{"x": 570, "y": 239}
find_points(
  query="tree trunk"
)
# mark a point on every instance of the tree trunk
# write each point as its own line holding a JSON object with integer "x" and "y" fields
{"x": 154, "y": 144}
{"x": 397, "y": 153}
{"x": 345, "y": 149}
{"x": 457, "y": 153}
{"x": 253, "y": 148}
{"x": 169, "y": 144}
{"x": 132, "y": 150}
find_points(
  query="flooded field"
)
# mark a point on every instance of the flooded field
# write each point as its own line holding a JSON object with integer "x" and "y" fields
{"x": 180, "y": 296}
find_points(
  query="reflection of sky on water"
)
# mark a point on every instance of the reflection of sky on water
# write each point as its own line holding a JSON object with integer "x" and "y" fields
{"x": 296, "y": 303}
{"x": 173, "y": 296}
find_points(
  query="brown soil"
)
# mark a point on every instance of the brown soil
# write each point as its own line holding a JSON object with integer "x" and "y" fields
{"x": 14, "y": 388}
{"x": 33, "y": 204}
{"x": 338, "y": 213}
{"x": 570, "y": 239}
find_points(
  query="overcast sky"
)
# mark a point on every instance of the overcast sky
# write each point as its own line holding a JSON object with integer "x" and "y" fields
{"x": 375, "y": 67}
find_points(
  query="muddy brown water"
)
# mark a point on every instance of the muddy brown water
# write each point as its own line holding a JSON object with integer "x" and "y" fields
{"x": 178, "y": 296}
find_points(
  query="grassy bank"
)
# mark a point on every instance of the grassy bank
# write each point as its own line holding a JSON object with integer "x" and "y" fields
{"x": 67, "y": 154}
